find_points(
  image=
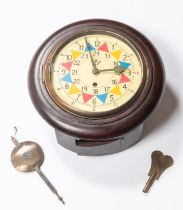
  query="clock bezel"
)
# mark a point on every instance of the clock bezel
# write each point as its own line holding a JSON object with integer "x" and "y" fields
{"x": 48, "y": 71}
{"x": 104, "y": 127}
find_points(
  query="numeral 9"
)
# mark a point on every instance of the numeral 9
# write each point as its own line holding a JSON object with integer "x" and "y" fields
{"x": 63, "y": 71}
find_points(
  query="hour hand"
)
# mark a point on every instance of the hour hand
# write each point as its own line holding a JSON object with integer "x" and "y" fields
{"x": 117, "y": 69}
{"x": 95, "y": 70}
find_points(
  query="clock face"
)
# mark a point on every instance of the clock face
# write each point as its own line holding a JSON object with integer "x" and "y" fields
{"x": 95, "y": 74}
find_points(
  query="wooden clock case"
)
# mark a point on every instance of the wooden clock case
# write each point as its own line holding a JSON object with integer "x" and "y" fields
{"x": 102, "y": 135}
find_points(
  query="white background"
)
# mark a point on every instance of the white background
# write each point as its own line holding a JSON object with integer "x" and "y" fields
{"x": 88, "y": 183}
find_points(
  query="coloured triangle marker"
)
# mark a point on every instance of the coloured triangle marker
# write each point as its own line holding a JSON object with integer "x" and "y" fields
{"x": 102, "y": 97}
{"x": 116, "y": 90}
{"x": 104, "y": 47}
{"x": 76, "y": 54}
{"x": 67, "y": 65}
{"x": 67, "y": 78}
{"x": 87, "y": 97}
{"x": 124, "y": 79}
{"x": 89, "y": 47}
{"x": 124, "y": 64}
{"x": 116, "y": 54}
{"x": 74, "y": 90}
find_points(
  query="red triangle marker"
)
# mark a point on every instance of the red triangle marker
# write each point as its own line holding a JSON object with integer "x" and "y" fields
{"x": 124, "y": 79}
{"x": 104, "y": 48}
{"x": 86, "y": 97}
{"x": 67, "y": 65}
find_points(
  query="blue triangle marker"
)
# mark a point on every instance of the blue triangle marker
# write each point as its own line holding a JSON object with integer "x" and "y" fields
{"x": 102, "y": 97}
{"x": 89, "y": 47}
{"x": 124, "y": 64}
{"x": 67, "y": 78}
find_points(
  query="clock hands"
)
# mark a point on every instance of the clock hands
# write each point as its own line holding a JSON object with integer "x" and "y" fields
{"x": 117, "y": 69}
{"x": 95, "y": 70}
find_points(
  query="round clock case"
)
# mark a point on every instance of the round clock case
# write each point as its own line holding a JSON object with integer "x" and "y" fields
{"x": 104, "y": 134}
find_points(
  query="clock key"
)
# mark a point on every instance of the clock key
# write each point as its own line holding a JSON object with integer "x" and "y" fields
{"x": 159, "y": 164}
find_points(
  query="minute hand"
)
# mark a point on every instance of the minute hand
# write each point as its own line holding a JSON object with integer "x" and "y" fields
{"x": 95, "y": 70}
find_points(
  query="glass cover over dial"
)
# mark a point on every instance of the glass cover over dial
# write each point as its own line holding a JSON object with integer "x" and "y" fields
{"x": 95, "y": 74}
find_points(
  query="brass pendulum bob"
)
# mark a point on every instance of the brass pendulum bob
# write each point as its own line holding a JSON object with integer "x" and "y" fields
{"x": 28, "y": 156}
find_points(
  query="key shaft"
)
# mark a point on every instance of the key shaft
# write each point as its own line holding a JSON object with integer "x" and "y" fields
{"x": 149, "y": 183}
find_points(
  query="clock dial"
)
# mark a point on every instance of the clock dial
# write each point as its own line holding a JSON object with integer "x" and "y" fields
{"x": 95, "y": 73}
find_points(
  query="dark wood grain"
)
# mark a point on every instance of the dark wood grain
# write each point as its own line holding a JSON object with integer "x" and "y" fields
{"x": 101, "y": 128}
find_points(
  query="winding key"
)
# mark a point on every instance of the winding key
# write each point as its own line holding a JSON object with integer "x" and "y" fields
{"x": 159, "y": 164}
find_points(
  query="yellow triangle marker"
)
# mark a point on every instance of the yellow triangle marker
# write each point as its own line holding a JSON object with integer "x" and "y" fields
{"x": 116, "y": 90}
{"x": 116, "y": 54}
{"x": 76, "y": 54}
{"x": 74, "y": 90}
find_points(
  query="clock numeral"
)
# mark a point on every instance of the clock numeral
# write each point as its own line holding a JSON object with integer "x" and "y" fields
{"x": 111, "y": 97}
{"x": 113, "y": 46}
{"x": 66, "y": 86}
{"x": 74, "y": 72}
{"x": 115, "y": 104}
{"x": 94, "y": 101}
{"x": 107, "y": 89}
{"x": 78, "y": 96}
{"x": 107, "y": 55}
{"x": 114, "y": 81}
{"x": 76, "y": 81}
{"x": 125, "y": 86}
{"x": 95, "y": 91}
{"x": 125, "y": 57}
{"x": 77, "y": 63}
{"x": 115, "y": 63}
{"x": 84, "y": 88}
{"x": 96, "y": 53}
{"x": 97, "y": 43}
{"x": 81, "y": 47}
{"x": 63, "y": 71}
{"x": 132, "y": 91}
{"x": 129, "y": 72}
{"x": 69, "y": 57}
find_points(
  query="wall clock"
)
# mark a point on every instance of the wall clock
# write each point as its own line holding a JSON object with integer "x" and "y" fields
{"x": 96, "y": 81}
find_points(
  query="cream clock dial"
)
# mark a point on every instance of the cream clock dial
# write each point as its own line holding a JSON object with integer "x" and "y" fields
{"x": 96, "y": 73}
